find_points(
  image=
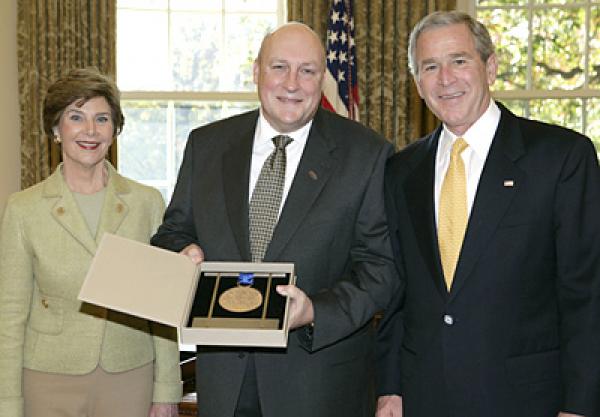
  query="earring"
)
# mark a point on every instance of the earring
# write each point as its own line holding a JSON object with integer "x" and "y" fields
{"x": 57, "y": 139}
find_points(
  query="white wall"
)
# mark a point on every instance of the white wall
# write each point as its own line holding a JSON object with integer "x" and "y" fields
{"x": 10, "y": 158}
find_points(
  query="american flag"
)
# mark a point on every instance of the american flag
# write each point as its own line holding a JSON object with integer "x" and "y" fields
{"x": 340, "y": 90}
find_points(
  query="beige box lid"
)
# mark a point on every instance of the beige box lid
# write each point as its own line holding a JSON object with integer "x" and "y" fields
{"x": 141, "y": 280}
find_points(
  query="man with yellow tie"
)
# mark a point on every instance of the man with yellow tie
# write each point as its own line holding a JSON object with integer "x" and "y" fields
{"x": 495, "y": 226}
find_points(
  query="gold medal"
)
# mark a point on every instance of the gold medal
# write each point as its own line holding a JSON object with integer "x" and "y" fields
{"x": 240, "y": 299}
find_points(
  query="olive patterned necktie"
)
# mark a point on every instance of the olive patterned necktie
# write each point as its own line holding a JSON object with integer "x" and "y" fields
{"x": 266, "y": 199}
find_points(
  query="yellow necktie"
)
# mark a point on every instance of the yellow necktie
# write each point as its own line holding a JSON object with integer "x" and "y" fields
{"x": 453, "y": 215}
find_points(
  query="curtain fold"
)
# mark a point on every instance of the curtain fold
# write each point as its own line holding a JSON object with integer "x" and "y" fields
{"x": 54, "y": 36}
{"x": 389, "y": 102}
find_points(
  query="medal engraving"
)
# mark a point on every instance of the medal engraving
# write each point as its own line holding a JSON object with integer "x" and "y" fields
{"x": 240, "y": 299}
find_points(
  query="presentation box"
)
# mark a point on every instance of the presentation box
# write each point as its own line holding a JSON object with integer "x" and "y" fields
{"x": 213, "y": 303}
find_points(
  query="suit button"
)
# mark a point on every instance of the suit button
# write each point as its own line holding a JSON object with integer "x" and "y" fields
{"x": 448, "y": 319}
{"x": 241, "y": 355}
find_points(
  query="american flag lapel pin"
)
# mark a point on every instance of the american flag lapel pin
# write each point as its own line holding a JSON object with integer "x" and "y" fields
{"x": 509, "y": 183}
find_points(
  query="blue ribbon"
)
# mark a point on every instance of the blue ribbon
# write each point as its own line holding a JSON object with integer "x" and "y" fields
{"x": 246, "y": 278}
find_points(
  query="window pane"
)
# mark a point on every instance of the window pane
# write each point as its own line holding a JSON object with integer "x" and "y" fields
{"x": 142, "y": 146}
{"x": 250, "y": 5}
{"x": 196, "y": 41}
{"x": 197, "y": 5}
{"x": 244, "y": 35}
{"x": 558, "y": 45}
{"x": 518, "y": 107}
{"x": 192, "y": 114}
{"x": 563, "y": 112}
{"x": 142, "y": 50}
{"x": 593, "y": 120}
{"x": 150, "y": 150}
{"x": 509, "y": 31}
{"x": 204, "y": 61}
{"x": 594, "y": 80}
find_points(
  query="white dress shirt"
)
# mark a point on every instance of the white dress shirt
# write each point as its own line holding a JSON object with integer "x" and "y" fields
{"x": 263, "y": 147}
{"x": 479, "y": 137}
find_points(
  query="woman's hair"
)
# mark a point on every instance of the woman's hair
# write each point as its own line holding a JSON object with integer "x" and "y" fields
{"x": 481, "y": 36}
{"x": 78, "y": 86}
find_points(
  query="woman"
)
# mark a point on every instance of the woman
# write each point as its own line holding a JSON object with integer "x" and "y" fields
{"x": 59, "y": 357}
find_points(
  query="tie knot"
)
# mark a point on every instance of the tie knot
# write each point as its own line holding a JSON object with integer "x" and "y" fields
{"x": 458, "y": 147}
{"x": 281, "y": 141}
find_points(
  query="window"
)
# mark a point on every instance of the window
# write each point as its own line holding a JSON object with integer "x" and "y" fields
{"x": 549, "y": 58}
{"x": 182, "y": 64}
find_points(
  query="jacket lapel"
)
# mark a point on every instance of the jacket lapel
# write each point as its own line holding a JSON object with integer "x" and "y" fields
{"x": 316, "y": 165}
{"x": 493, "y": 197}
{"x": 115, "y": 209}
{"x": 236, "y": 176}
{"x": 66, "y": 212}
{"x": 418, "y": 189}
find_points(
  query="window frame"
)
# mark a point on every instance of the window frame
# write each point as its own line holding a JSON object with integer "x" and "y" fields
{"x": 172, "y": 97}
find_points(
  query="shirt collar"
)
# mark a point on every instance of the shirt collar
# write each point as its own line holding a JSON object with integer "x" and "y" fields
{"x": 479, "y": 136}
{"x": 265, "y": 133}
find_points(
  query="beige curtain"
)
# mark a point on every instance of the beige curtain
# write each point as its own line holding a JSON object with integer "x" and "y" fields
{"x": 389, "y": 102}
{"x": 55, "y": 36}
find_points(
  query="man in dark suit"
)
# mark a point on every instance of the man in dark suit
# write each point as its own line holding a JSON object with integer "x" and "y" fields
{"x": 331, "y": 225}
{"x": 498, "y": 313}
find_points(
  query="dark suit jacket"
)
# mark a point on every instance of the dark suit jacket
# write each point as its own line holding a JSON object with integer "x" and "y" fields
{"x": 518, "y": 333}
{"x": 332, "y": 227}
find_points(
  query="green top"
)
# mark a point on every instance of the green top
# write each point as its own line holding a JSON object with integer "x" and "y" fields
{"x": 90, "y": 206}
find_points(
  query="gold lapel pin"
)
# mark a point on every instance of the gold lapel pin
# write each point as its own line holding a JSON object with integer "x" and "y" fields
{"x": 313, "y": 175}
{"x": 509, "y": 183}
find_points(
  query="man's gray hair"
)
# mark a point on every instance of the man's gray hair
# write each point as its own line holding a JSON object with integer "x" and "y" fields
{"x": 481, "y": 36}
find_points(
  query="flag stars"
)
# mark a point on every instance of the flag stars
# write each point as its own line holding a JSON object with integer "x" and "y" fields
{"x": 335, "y": 17}
{"x": 343, "y": 37}
{"x": 332, "y": 36}
{"x": 331, "y": 56}
{"x": 342, "y": 57}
